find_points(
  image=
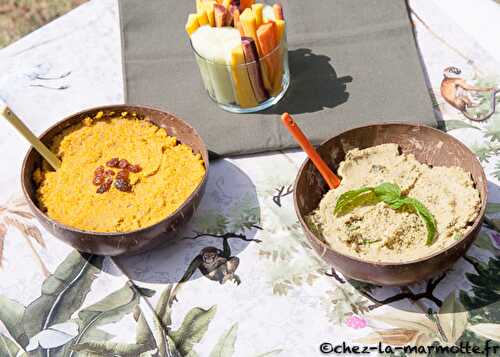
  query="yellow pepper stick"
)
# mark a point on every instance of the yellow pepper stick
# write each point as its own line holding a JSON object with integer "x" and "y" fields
{"x": 192, "y": 24}
{"x": 226, "y": 3}
{"x": 202, "y": 18}
{"x": 199, "y": 6}
{"x": 242, "y": 85}
{"x": 257, "y": 10}
{"x": 280, "y": 27}
{"x": 209, "y": 8}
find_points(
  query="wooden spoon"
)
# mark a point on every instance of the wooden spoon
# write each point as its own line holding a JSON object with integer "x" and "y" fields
{"x": 331, "y": 179}
{"x": 17, "y": 123}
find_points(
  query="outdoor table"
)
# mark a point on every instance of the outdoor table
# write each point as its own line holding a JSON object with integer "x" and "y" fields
{"x": 282, "y": 300}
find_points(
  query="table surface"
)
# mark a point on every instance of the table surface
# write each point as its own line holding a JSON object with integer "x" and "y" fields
{"x": 54, "y": 303}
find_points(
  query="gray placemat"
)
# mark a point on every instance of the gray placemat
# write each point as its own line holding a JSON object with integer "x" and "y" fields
{"x": 351, "y": 63}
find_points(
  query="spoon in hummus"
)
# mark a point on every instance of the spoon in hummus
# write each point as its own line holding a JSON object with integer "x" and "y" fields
{"x": 331, "y": 179}
{"x": 40, "y": 147}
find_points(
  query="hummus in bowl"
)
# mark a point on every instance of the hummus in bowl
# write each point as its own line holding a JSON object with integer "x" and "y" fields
{"x": 374, "y": 231}
{"x": 439, "y": 194}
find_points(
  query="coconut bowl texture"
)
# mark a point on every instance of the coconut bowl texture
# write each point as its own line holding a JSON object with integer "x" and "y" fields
{"x": 123, "y": 243}
{"x": 429, "y": 146}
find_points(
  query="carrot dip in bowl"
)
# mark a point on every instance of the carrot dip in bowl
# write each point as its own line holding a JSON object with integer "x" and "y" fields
{"x": 119, "y": 173}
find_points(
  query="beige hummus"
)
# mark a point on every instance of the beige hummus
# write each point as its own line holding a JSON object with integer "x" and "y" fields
{"x": 380, "y": 233}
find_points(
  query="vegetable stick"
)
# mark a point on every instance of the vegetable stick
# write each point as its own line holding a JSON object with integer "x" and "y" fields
{"x": 247, "y": 20}
{"x": 266, "y": 36}
{"x": 278, "y": 12}
{"x": 226, "y": 3}
{"x": 252, "y": 58}
{"x": 243, "y": 87}
{"x": 202, "y": 18}
{"x": 199, "y": 6}
{"x": 192, "y": 24}
{"x": 244, "y": 4}
{"x": 209, "y": 8}
{"x": 220, "y": 13}
{"x": 257, "y": 12}
{"x": 237, "y": 22}
{"x": 280, "y": 29}
{"x": 230, "y": 15}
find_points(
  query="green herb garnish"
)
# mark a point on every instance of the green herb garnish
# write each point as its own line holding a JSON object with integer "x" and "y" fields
{"x": 390, "y": 194}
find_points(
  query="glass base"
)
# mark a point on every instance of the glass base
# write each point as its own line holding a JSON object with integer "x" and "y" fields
{"x": 264, "y": 105}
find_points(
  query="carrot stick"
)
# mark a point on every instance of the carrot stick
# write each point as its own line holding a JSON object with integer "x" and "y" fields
{"x": 278, "y": 12}
{"x": 266, "y": 36}
{"x": 331, "y": 179}
{"x": 243, "y": 87}
{"x": 244, "y": 4}
{"x": 257, "y": 12}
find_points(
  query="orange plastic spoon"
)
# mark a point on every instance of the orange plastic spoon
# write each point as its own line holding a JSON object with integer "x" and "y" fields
{"x": 331, "y": 179}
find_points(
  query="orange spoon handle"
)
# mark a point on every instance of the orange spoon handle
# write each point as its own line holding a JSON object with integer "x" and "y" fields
{"x": 331, "y": 179}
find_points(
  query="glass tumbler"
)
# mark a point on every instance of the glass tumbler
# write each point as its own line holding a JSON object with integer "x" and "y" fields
{"x": 246, "y": 87}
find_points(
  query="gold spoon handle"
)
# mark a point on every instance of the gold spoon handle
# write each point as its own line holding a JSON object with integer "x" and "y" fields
{"x": 48, "y": 155}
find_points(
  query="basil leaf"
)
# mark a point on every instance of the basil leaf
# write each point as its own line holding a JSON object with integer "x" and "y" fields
{"x": 426, "y": 216}
{"x": 350, "y": 199}
{"x": 390, "y": 194}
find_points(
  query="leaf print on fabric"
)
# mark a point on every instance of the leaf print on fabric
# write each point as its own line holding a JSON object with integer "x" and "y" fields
{"x": 486, "y": 330}
{"x": 15, "y": 214}
{"x": 493, "y": 207}
{"x": 410, "y": 328}
{"x": 453, "y": 318}
{"x": 111, "y": 349}
{"x": 192, "y": 329}
{"x": 448, "y": 125}
{"x": 54, "y": 336}
{"x": 342, "y": 302}
{"x": 8, "y": 347}
{"x": 62, "y": 293}
{"x": 11, "y": 314}
{"x": 110, "y": 309}
{"x": 225, "y": 345}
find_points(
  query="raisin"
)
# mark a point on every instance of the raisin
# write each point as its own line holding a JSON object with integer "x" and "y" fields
{"x": 134, "y": 168}
{"x": 108, "y": 173}
{"x": 105, "y": 186}
{"x": 99, "y": 170}
{"x": 123, "y": 164}
{"x": 113, "y": 162}
{"x": 123, "y": 174}
{"x": 98, "y": 180}
{"x": 123, "y": 185}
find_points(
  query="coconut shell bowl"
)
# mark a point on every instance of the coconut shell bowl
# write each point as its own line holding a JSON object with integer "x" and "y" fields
{"x": 429, "y": 146}
{"x": 128, "y": 243}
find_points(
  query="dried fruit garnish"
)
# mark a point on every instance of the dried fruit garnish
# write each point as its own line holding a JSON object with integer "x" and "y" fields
{"x": 123, "y": 185}
{"x": 98, "y": 180}
{"x": 99, "y": 170}
{"x": 134, "y": 168}
{"x": 123, "y": 164}
{"x": 123, "y": 174}
{"x": 113, "y": 162}
{"x": 105, "y": 186}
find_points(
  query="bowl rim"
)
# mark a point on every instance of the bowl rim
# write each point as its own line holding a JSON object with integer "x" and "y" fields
{"x": 326, "y": 247}
{"x": 88, "y": 111}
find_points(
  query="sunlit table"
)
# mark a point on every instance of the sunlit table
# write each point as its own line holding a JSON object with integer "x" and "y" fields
{"x": 282, "y": 300}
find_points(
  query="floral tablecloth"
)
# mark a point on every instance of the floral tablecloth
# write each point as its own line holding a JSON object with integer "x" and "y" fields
{"x": 275, "y": 297}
